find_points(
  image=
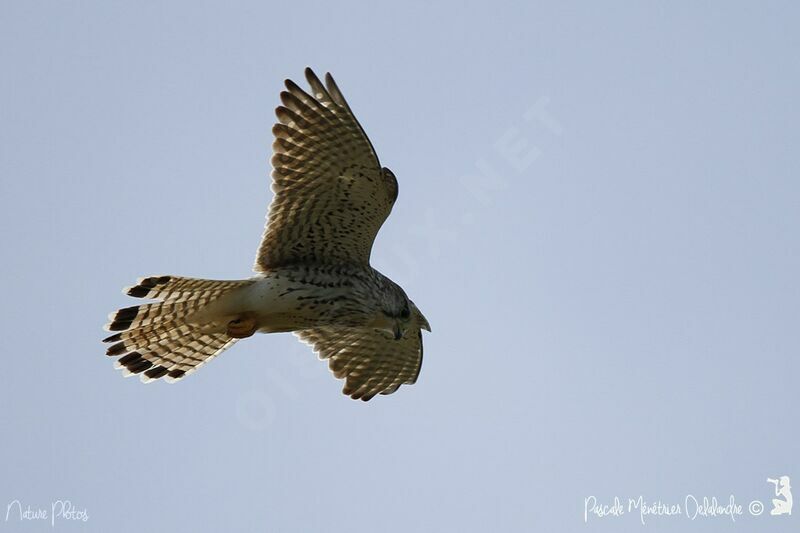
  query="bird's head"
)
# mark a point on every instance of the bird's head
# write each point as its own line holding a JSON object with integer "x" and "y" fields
{"x": 400, "y": 318}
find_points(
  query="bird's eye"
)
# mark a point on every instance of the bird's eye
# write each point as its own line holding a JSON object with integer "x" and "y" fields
{"x": 405, "y": 313}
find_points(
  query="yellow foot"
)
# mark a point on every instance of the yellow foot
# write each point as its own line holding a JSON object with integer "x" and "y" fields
{"x": 242, "y": 327}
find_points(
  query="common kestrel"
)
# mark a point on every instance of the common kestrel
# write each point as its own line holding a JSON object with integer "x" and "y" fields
{"x": 313, "y": 275}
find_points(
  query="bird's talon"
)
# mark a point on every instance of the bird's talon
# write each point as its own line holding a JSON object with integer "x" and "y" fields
{"x": 242, "y": 327}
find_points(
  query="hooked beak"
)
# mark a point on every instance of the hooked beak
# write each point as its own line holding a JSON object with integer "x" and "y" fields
{"x": 421, "y": 320}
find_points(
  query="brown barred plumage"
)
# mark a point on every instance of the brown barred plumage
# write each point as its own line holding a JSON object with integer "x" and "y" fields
{"x": 331, "y": 194}
{"x": 155, "y": 339}
{"x": 370, "y": 361}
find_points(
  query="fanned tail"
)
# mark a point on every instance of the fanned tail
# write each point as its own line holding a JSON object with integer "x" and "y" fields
{"x": 156, "y": 340}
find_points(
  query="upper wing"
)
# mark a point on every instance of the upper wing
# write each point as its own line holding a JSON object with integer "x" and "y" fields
{"x": 371, "y": 361}
{"x": 331, "y": 195}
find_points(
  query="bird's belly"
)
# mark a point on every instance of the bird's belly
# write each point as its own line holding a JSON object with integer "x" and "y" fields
{"x": 281, "y": 305}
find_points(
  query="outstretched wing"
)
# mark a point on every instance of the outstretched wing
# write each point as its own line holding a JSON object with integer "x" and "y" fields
{"x": 370, "y": 360}
{"x": 331, "y": 195}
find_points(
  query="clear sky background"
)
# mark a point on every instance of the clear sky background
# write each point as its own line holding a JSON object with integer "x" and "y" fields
{"x": 598, "y": 213}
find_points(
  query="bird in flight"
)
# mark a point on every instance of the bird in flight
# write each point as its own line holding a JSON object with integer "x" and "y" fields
{"x": 313, "y": 275}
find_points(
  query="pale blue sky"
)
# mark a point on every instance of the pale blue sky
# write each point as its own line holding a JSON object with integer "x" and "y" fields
{"x": 598, "y": 213}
